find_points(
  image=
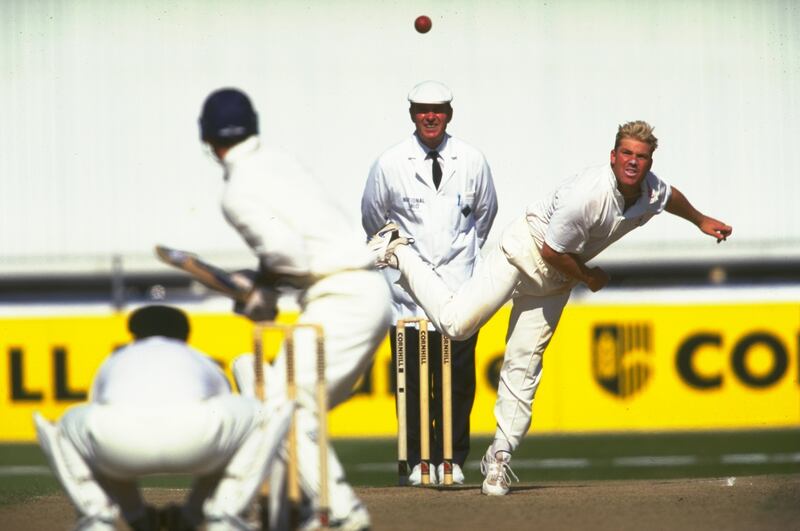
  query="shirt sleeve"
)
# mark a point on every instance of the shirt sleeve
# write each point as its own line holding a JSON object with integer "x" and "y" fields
{"x": 216, "y": 382}
{"x": 660, "y": 192}
{"x": 485, "y": 203}
{"x": 568, "y": 228}
{"x": 374, "y": 200}
{"x": 100, "y": 383}
{"x": 276, "y": 244}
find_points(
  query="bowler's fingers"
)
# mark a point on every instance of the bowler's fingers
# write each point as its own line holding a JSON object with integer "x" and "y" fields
{"x": 722, "y": 232}
{"x": 717, "y": 229}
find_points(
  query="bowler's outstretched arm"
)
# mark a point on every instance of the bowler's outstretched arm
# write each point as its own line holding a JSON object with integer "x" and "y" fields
{"x": 680, "y": 206}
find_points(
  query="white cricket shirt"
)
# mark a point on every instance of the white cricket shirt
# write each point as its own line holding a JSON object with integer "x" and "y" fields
{"x": 158, "y": 370}
{"x": 286, "y": 216}
{"x": 587, "y": 213}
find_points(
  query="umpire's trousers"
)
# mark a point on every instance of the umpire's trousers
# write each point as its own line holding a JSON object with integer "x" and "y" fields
{"x": 463, "y": 392}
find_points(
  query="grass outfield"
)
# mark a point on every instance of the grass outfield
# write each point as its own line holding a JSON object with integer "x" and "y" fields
{"x": 372, "y": 462}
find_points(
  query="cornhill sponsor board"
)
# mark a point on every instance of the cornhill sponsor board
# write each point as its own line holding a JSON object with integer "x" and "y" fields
{"x": 607, "y": 368}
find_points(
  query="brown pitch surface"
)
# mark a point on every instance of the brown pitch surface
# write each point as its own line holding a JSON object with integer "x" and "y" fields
{"x": 748, "y": 503}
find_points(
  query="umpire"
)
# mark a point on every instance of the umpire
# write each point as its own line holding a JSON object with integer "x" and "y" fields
{"x": 439, "y": 190}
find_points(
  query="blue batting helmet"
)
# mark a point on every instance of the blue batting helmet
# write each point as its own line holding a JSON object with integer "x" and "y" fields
{"x": 228, "y": 117}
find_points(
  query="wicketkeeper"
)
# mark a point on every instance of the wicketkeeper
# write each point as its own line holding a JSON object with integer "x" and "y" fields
{"x": 159, "y": 406}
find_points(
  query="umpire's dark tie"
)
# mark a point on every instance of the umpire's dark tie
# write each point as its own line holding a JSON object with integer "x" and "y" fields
{"x": 437, "y": 170}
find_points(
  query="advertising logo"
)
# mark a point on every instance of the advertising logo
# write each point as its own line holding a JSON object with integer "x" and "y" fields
{"x": 744, "y": 356}
{"x": 621, "y": 357}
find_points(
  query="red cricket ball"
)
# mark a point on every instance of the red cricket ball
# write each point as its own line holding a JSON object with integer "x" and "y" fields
{"x": 423, "y": 24}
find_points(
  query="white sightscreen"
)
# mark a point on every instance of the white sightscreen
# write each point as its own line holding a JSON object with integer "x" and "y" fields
{"x": 99, "y": 151}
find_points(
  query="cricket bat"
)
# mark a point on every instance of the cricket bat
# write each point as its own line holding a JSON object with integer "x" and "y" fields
{"x": 207, "y": 274}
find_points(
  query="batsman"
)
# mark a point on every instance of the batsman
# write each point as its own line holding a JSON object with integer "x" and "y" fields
{"x": 305, "y": 246}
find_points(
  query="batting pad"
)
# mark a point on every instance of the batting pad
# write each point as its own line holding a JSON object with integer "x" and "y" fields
{"x": 249, "y": 465}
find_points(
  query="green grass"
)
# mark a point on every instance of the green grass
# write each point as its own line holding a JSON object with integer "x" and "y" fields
{"x": 371, "y": 462}
{"x": 706, "y": 449}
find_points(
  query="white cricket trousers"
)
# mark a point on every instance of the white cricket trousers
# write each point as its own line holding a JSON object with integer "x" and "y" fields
{"x": 227, "y": 442}
{"x": 354, "y": 310}
{"x": 514, "y": 270}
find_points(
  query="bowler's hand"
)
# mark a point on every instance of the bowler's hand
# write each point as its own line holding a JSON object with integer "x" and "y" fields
{"x": 717, "y": 229}
{"x": 598, "y": 279}
{"x": 261, "y": 305}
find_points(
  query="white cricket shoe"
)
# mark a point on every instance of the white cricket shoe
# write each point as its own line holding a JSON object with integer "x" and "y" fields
{"x": 385, "y": 242}
{"x": 496, "y": 469}
{"x": 458, "y": 474}
{"x": 415, "y": 478}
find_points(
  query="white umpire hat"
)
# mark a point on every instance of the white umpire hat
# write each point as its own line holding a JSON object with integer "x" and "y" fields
{"x": 431, "y": 92}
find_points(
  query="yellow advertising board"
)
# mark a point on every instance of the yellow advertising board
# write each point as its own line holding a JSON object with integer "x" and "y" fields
{"x": 608, "y": 368}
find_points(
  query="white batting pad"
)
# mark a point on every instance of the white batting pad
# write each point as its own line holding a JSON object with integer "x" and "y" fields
{"x": 248, "y": 468}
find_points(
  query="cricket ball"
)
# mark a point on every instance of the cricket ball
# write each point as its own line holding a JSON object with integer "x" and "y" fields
{"x": 423, "y": 24}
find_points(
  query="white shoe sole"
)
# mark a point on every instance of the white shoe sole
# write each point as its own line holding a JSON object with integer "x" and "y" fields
{"x": 493, "y": 491}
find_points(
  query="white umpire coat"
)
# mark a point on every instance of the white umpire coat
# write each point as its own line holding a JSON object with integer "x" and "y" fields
{"x": 450, "y": 224}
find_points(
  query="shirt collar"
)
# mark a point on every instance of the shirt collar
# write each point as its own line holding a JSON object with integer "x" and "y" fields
{"x": 648, "y": 193}
{"x": 421, "y": 150}
{"x": 240, "y": 151}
